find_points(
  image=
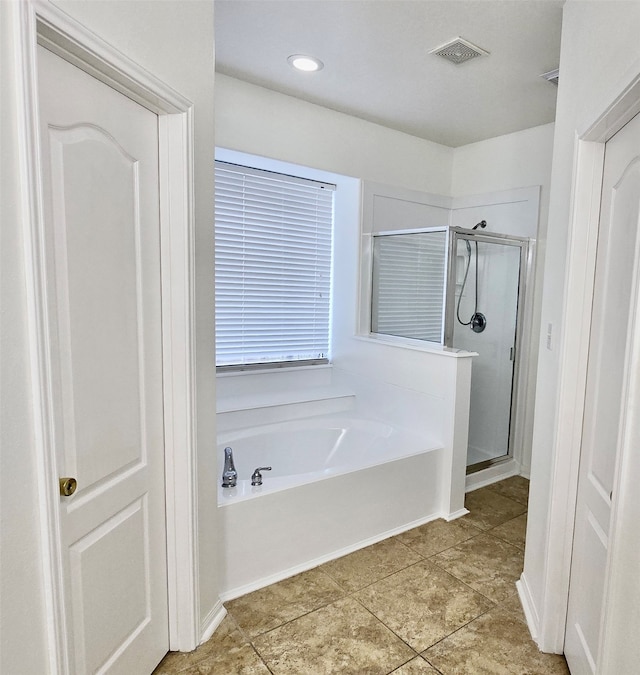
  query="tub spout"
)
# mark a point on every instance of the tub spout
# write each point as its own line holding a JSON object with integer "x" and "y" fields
{"x": 229, "y": 473}
{"x": 256, "y": 476}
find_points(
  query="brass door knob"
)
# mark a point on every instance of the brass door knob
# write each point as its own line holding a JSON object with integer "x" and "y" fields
{"x": 68, "y": 486}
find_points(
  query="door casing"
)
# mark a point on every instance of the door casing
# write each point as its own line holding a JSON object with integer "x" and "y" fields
{"x": 548, "y": 625}
{"x": 42, "y": 23}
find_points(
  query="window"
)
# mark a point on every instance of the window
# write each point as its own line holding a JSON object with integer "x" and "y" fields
{"x": 273, "y": 267}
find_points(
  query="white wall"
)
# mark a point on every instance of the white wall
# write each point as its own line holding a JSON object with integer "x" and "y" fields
{"x": 600, "y": 52}
{"x": 174, "y": 41}
{"x": 262, "y": 122}
{"x": 506, "y": 162}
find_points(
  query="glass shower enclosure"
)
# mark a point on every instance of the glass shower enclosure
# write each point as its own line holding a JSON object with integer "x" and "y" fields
{"x": 483, "y": 315}
{"x": 463, "y": 289}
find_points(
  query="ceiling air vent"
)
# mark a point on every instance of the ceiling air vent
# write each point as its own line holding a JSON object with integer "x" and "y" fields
{"x": 458, "y": 51}
{"x": 552, "y": 76}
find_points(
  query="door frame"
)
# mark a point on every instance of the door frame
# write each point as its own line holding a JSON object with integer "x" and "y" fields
{"x": 583, "y": 230}
{"x": 44, "y": 24}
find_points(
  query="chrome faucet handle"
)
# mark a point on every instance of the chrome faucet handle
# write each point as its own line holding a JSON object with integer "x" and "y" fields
{"x": 229, "y": 474}
{"x": 256, "y": 476}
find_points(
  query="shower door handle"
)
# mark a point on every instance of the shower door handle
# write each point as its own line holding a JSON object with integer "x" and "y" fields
{"x": 512, "y": 353}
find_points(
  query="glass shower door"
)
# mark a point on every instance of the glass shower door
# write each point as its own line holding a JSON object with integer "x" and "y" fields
{"x": 485, "y": 283}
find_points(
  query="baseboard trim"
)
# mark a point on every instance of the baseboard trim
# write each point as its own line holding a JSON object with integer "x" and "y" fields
{"x": 500, "y": 471}
{"x": 530, "y": 612}
{"x": 212, "y": 621}
{"x": 456, "y": 514}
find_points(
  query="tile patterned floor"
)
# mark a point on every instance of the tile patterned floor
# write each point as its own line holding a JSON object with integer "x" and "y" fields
{"x": 440, "y": 598}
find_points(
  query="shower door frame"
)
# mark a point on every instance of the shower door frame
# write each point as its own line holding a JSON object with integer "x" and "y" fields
{"x": 526, "y": 248}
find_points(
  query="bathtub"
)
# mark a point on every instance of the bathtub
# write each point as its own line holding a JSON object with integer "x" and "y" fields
{"x": 303, "y": 451}
{"x": 338, "y": 483}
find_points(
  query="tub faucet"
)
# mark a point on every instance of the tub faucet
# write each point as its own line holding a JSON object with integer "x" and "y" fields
{"x": 229, "y": 474}
{"x": 256, "y": 476}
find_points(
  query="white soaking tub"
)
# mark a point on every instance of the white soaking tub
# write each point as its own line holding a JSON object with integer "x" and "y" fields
{"x": 337, "y": 484}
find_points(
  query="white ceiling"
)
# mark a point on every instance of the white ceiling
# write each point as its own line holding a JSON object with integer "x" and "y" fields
{"x": 378, "y": 66}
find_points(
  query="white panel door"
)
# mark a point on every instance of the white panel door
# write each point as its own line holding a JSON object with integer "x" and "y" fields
{"x": 617, "y": 259}
{"x": 100, "y": 168}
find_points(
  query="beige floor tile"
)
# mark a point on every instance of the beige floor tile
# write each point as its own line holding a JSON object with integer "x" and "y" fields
{"x": 512, "y": 604}
{"x": 417, "y": 666}
{"x": 514, "y": 531}
{"x": 438, "y": 535}
{"x": 227, "y": 645}
{"x": 487, "y": 564}
{"x": 422, "y": 603}
{"x": 459, "y": 608}
{"x": 368, "y": 565}
{"x": 516, "y": 488}
{"x": 488, "y": 508}
{"x": 274, "y": 605}
{"x": 244, "y": 661}
{"x": 493, "y": 644}
{"x": 173, "y": 663}
{"x": 339, "y": 638}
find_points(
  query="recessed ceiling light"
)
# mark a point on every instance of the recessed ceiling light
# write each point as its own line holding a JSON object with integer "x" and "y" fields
{"x": 308, "y": 64}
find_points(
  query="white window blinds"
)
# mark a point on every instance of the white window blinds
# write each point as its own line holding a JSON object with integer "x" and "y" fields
{"x": 409, "y": 285}
{"x": 273, "y": 266}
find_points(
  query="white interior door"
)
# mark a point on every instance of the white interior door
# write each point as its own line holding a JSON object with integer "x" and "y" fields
{"x": 100, "y": 168}
{"x": 617, "y": 259}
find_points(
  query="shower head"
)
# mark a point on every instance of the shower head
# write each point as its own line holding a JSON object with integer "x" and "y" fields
{"x": 482, "y": 224}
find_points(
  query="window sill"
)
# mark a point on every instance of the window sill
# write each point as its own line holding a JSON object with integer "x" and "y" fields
{"x": 273, "y": 399}
{"x": 275, "y": 369}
